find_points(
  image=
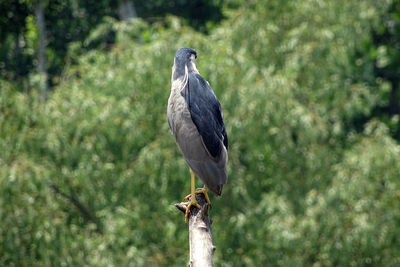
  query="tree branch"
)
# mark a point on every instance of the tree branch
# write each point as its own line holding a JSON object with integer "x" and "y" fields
{"x": 200, "y": 235}
{"x": 87, "y": 215}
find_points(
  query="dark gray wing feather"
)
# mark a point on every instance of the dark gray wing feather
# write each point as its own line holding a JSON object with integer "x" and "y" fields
{"x": 206, "y": 113}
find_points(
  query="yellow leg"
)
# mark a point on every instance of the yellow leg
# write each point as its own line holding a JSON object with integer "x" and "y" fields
{"x": 203, "y": 191}
{"x": 193, "y": 201}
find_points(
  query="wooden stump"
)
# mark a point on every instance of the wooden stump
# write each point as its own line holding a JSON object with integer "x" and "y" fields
{"x": 200, "y": 235}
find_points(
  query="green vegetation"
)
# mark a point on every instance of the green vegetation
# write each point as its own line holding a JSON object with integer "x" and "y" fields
{"x": 309, "y": 92}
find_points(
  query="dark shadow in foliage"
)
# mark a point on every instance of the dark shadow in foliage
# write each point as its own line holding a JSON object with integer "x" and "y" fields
{"x": 196, "y": 12}
{"x": 386, "y": 36}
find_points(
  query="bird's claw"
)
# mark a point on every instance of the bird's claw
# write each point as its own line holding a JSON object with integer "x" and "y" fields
{"x": 201, "y": 191}
{"x": 188, "y": 206}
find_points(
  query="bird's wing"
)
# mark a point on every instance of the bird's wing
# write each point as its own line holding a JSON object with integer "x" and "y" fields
{"x": 206, "y": 113}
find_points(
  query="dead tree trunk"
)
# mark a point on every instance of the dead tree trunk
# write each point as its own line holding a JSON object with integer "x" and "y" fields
{"x": 40, "y": 23}
{"x": 200, "y": 236}
{"x": 126, "y": 10}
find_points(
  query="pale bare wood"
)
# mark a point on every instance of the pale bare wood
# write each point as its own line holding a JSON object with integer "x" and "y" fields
{"x": 41, "y": 25}
{"x": 200, "y": 235}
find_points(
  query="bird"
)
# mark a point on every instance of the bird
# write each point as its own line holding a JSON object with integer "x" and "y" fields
{"x": 196, "y": 120}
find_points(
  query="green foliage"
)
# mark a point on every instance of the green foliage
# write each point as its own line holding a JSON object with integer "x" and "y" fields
{"x": 89, "y": 176}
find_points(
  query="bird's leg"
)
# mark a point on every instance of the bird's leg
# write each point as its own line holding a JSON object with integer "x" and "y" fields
{"x": 203, "y": 191}
{"x": 193, "y": 201}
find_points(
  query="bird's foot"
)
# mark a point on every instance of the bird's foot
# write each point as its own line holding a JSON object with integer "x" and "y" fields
{"x": 193, "y": 202}
{"x": 201, "y": 191}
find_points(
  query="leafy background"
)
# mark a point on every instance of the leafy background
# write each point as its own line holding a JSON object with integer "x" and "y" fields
{"x": 309, "y": 90}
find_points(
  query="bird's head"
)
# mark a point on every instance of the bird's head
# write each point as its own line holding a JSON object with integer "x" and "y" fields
{"x": 184, "y": 59}
{"x": 185, "y": 54}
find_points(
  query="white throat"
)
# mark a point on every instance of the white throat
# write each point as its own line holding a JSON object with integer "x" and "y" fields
{"x": 192, "y": 65}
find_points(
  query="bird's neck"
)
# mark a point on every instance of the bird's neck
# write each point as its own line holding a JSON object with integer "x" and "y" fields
{"x": 178, "y": 71}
